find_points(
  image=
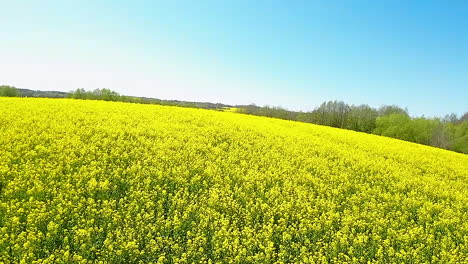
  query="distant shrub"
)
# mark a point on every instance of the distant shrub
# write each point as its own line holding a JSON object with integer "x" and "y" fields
{"x": 97, "y": 94}
{"x": 9, "y": 91}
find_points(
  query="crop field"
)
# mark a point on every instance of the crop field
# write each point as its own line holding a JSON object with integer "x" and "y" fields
{"x": 102, "y": 182}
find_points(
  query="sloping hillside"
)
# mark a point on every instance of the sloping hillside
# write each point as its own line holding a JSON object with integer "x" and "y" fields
{"x": 82, "y": 181}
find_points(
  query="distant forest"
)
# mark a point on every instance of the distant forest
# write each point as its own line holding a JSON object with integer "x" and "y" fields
{"x": 448, "y": 132}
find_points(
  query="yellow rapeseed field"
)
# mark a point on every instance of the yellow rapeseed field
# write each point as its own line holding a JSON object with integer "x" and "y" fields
{"x": 102, "y": 182}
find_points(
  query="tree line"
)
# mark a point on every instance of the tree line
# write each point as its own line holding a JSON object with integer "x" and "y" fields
{"x": 9, "y": 91}
{"x": 109, "y": 95}
{"x": 448, "y": 132}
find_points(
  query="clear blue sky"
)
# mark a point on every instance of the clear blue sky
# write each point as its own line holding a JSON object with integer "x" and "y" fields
{"x": 294, "y": 54}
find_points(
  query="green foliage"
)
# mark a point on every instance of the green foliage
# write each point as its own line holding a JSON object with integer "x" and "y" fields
{"x": 97, "y": 94}
{"x": 392, "y": 109}
{"x": 268, "y": 111}
{"x": 331, "y": 113}
{"x": 393, "y": 125}
{"x": 401, "y": 126}
{"x": 362, "y": 118}
{"x": 423, "y": 130}
{"x": 460, "y": 137}
{"x": 9, "y": 91}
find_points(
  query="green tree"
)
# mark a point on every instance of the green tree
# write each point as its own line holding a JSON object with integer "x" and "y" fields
{"x": 422, "y": 130}
{"x": 393, "y": 125}
{"x": 106, "y": 95}
{"x": 392, "y": 109}
{"x": 332, "y": 113}
{"x": 399, "y": 125}
{"x": 460, "y": 137}
{"x": 97, "y": 94}
{"x": 9, "y": 91}
{"x": 79, "y": 93}
{"x": 463, "y": 118}
{"x": 362, "y": 118}
{"x": 441, "y": 135}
